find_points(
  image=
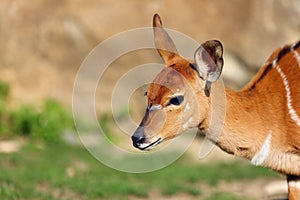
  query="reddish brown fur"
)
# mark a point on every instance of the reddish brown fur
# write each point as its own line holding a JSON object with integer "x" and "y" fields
{"x": 273, "y": 90}
{"x": 294, "y": 193}
{"x": 168, "y": 82}
{"x": 257, "y": 111}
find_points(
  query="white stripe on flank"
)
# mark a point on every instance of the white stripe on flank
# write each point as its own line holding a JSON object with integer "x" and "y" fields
{"x": 292, "y": 111}
{"x": 260, "y": 157}
{"x": 297, "y": 56}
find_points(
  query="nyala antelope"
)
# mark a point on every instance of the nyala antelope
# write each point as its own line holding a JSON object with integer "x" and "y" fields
{"x": 262, "y": 122}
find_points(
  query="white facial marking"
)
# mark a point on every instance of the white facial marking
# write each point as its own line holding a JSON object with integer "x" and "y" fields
{"x": 144, "y": 145}
{"x": 155, "y": 107}
{"x": 292, "y": 111}
{"x": 263, "y": 153}
{"x": 186, "y": 124}
{"x": 294, "y": 184}
{"x": 177, "y": 94}
{"x": 150, "y": 146}
{"x": 187, "y": 107}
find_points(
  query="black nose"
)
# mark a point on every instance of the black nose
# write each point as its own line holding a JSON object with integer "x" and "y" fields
{"x": 138, "y": 139}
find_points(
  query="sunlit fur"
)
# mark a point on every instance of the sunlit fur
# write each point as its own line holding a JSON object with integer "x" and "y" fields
{"x": 177, "y": 78}
{"x": 261, "y": 120}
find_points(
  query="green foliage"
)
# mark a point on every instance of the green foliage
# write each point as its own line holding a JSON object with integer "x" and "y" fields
{"x": 52, "y": 121}
{"x": 109, "y": 126}
{"x": 47, "y": 123}
{"x": 23, "y": 120}
{"x": 4, "y": 92}
{"x": 106, "y": 122}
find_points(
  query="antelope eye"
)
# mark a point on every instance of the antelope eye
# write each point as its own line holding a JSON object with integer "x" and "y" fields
{"x": 176, "y": 100}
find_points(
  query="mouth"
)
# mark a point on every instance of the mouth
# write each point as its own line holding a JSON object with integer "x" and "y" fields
{"x": 148, "y": 147}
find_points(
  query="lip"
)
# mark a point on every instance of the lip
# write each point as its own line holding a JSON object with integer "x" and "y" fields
{"x": 148, "y": 147}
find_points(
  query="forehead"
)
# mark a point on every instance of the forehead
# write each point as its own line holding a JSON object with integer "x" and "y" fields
{"x": 170, "y": 80}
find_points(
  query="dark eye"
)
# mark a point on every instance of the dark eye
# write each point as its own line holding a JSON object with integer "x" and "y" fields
{"x": 176, "y": 100}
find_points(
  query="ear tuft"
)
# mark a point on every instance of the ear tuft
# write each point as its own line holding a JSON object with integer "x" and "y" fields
{"x": 209, "y": 60}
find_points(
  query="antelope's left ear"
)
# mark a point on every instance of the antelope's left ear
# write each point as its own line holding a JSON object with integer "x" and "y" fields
{"x": 209, "y": 62}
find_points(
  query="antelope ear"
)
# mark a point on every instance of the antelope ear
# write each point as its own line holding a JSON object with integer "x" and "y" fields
{"x": 209, "y": 60}
{"x": 163, "y": 42}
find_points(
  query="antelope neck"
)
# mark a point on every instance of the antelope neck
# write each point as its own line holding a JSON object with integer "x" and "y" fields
{"x": 240, "y": 135}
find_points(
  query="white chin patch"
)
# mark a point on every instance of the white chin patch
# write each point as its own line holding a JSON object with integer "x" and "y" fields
{"x": 294, "y": 184}
{"x": 149, "y": 146}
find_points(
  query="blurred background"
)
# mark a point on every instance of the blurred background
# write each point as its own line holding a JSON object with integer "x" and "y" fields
{"x": 44, "y": 42}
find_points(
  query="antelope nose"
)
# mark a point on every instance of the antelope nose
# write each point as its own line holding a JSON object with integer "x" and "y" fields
{"x": 138, "y": 139}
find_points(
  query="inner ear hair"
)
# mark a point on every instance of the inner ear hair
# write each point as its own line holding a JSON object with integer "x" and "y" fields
{"x": 209, "y": 60}
{"x": 194, "y": 67}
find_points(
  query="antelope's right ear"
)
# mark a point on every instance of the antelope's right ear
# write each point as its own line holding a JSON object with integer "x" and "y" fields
{"x": 209, "y": 60}
{"x": 163, "y": 42}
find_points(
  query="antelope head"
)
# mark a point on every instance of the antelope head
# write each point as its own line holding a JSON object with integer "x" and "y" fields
{"x": 179, "y": 96}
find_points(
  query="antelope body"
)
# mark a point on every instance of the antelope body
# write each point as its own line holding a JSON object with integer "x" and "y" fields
{"x": 262, "y": 121}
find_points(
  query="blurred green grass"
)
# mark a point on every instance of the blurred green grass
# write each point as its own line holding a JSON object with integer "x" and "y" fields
{"x": 59, "y": 171}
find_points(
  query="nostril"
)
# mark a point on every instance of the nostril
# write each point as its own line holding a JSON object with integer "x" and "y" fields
{"x": 138, "y": 139}
{"x": 141, "y": 140}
